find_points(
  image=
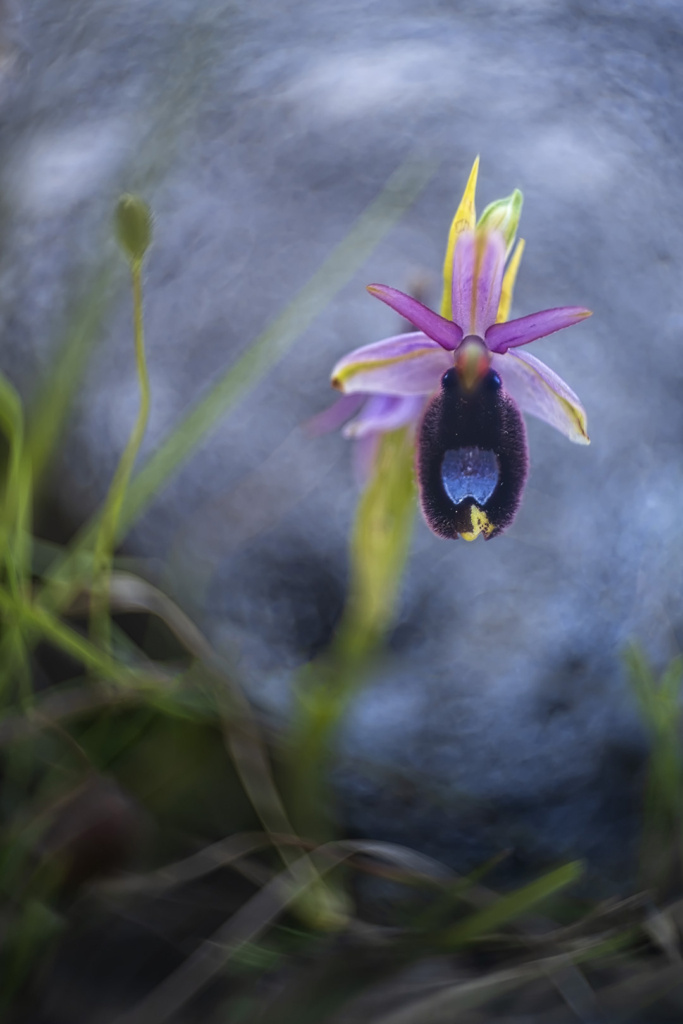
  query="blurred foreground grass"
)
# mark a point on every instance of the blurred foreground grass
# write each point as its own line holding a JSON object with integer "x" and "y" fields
{"x": 125, "y": 740}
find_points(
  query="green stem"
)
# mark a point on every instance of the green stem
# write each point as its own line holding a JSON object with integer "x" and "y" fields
{"x": 100, "y": 625}
{"x": 15, "y": 529}
{"x": 39, "y": 620}
{"x": 379, "y": 548}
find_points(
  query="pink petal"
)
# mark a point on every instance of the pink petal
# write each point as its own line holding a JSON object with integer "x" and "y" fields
{"x": 434, "y": 326}
{"x": 464, "y": 261}
{"x": 489, "y": 280}
{"x": 501, "y": 337}
{"x": 382, "y": 413}
{"x": 407, "y": 364}
{"x": 478, "y": 266}
{"x": 335, "y": 415}
{"x": 539, "y": 391}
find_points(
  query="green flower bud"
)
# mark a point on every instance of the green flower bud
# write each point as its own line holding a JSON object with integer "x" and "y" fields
{"x": 133, "y": 220}
{"x": 503, "y": 216}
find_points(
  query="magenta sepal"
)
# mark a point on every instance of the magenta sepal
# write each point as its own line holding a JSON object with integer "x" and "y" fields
{"x": 444, "y": 332}
{"x": 501, "y": 337}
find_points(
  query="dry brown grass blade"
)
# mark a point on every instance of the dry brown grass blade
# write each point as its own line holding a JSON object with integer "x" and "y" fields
{"x": 211, "y": 858}
{"x": 129, "y": 593}
{"x": 415, "y": 866}
{"x": 567, "y": 979}
{"x": 576, "y": 992}
{"x": 621, "y": 1001}
{"x": 440, "y": 1007}
{"x": 606, "y": 917}
{"x": 613, "y": 1003}
{"x": 258, "y": 913}
{"x": 247, "y": 925}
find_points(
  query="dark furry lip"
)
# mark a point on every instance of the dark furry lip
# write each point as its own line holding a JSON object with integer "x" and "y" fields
{"x": 472, "y": 459}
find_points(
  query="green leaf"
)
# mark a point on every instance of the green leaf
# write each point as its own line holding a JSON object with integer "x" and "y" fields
{"x": 512, "y": 906}
{"x": 54, "y": 399}
{"x": 379, "y": 545}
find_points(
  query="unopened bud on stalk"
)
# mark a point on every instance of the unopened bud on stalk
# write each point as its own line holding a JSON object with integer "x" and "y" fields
{"x": 503, "y": 216}
{"x": 133, "y": 220}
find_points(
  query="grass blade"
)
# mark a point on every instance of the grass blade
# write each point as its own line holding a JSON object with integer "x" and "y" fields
{"x": 510, "y": 907}
{"x": 54, "y": 399}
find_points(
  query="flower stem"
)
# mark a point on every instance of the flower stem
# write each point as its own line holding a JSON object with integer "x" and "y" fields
{"x": 15, "y": 543}
{"x": 379, "y": 548}
{"x": 100, "y": 625}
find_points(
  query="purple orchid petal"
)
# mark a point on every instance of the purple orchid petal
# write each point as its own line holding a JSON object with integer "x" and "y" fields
{"x": 382, "y": 413}
{"x": 464, "y": 263}
{"x": 489, "y": 281}
{"x": 335, "y": 415}
{"x": 443, "y": 331}
{"x": 501, "y": 337}
{"x": 407, "y": 364}
{"x": 539, "y": 391}
{"x": 478, "y": 266}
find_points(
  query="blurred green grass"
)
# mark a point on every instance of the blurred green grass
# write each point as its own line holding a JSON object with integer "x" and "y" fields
{"x": 134, "y": 745}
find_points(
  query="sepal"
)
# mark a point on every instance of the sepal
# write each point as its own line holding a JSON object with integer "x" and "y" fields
{"x": 539, "y": 391}
{"x": 464, "y": 220}
{"x": 407, "y": 364}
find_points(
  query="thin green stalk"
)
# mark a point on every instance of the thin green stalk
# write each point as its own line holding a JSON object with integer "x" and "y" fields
{"x": 379, "y": 548}
{"x": 51, "y": 404}
{"x": 14, "y": 503}
{"x": 100, "y": 624}
{"x": 15, "y": 525}
{"x": 661, "y": 855}
{"x": 38, "y": 620}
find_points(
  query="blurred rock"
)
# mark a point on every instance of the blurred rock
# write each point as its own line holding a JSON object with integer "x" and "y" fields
{"x": 502, "y": 717}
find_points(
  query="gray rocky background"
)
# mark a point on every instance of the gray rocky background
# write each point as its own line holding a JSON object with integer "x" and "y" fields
{"x": 259, "y": 132}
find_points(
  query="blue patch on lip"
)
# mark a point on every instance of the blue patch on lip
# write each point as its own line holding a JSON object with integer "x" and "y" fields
{"x": 469, "y": 473}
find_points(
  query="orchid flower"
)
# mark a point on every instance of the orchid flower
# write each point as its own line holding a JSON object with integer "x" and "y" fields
{"x": 459, "y": 380}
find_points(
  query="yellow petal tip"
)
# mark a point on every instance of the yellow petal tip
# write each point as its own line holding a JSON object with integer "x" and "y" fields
{"x": 465, "y": 219}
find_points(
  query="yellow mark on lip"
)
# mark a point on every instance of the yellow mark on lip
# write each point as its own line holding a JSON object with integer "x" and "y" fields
{"x": 347, "y": 372}
{"x": 480, "y": 523}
